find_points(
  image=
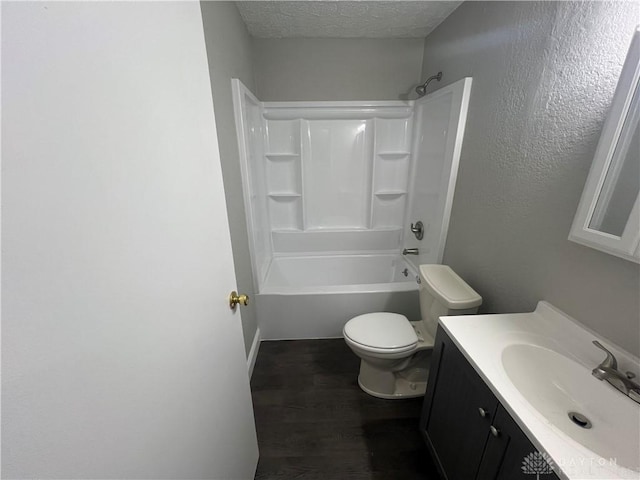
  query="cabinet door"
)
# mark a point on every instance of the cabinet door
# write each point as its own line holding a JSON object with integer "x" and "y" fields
{"x": 509, "y": 455}
{"x": 453, "y": 424}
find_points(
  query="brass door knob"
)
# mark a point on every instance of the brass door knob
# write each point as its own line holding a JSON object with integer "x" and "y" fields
{"x": 235, "y": 299}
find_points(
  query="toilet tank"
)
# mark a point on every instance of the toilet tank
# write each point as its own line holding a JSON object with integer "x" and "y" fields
{"x": 443, "y": 292}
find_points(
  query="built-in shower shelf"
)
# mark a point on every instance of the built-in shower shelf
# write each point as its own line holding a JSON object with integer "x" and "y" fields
{"x": 282, "y": 157}
{"x": 399, "y": 155}
{"x": 287, "y": 231}
{"x": 284, "y": 195}
{"x": 390, "y": 194}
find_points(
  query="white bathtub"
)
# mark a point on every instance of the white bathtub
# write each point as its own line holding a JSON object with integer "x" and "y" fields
{"x": 314, "y": 296}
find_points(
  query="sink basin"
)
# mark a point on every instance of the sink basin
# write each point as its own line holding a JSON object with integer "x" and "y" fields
{"x": 555, "y": 385}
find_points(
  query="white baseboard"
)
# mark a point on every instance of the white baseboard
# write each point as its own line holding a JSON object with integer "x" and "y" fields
{"x": 253, "y": 353}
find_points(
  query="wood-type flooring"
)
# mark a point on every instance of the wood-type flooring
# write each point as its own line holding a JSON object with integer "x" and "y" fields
{"x": 314, "y": 422}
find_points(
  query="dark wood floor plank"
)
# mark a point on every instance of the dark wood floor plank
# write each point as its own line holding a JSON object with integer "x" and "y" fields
{"x": 338, "y": 467}
{"x": 329, "y": 405}
{"x": 314, "y": 422}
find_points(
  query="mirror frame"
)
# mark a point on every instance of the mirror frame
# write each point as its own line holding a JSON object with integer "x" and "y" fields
{"x": 628, "y": 244}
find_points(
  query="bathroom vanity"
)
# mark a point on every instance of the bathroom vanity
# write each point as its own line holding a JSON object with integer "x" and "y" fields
{"x": 467, "y": 429}
{"x": 501, "y": 391}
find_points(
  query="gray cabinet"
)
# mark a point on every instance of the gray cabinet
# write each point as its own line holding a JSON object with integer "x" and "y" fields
{"x": 468, "y": 432}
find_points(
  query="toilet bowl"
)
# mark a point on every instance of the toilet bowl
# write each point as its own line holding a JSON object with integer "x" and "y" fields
{"x": 395, "y": 352}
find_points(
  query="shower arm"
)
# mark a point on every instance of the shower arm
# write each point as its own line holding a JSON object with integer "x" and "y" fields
{"x": 421, "y": 90}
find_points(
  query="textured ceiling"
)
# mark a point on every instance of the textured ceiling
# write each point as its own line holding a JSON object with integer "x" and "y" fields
{"x": 343, "y": 19}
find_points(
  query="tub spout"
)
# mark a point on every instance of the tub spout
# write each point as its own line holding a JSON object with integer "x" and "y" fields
{"x": 410, "y": 251}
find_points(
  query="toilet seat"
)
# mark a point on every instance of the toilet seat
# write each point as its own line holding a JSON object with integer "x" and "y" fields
{"x": 381, "y": 332}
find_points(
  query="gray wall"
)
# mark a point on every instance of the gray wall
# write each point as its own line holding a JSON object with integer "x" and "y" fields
{"x": 544, "y": 75}
{"x": 229, "y": 54}
{"x": 336, "y": 68}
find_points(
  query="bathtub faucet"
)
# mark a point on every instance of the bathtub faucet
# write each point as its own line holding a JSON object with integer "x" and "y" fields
{"x": 410, "y": 251}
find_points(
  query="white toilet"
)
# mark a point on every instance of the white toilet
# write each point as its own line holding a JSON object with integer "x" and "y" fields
{"x": 395, "y": 353}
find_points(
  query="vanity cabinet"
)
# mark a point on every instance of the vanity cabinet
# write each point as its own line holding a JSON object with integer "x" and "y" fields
{"x": 468, "y": 432}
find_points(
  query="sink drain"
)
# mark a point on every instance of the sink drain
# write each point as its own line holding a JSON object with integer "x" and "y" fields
{"x": 579, "y": 419}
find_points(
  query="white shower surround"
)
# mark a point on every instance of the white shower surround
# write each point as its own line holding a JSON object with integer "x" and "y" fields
{"x": 337, "y": 166}
{"x": 330, "y": 189}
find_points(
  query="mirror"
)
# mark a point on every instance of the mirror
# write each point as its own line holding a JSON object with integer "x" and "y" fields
{"x": 608, "y": 216}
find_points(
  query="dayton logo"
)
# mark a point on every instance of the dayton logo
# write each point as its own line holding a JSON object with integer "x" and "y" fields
{"x": 537, "y": 464}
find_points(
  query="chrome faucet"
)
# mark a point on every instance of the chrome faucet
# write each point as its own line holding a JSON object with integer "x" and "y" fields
{"x": 410, "y": 251}
{"x": 608, "y": 370}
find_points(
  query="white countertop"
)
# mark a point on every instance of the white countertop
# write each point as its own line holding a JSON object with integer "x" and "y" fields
{"x": 482, "y": 339}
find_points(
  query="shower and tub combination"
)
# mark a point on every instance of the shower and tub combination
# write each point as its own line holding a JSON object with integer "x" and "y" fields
{"x": 333, "y": 195}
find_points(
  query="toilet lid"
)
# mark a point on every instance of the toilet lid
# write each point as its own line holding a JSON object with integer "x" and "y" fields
{"x": 381, "y": 330}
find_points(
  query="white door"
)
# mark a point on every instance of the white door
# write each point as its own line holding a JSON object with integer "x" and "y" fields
{"x": 439, "y": 122}
{"x": 121, "y": 357}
